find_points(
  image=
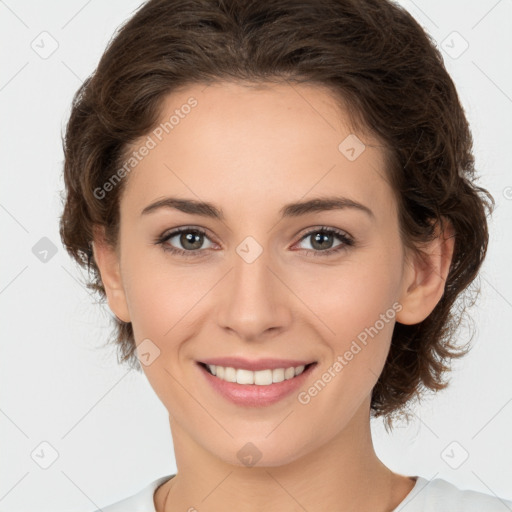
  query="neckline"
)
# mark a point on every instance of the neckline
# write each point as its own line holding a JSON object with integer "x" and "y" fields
{"x": 409, "y": 496}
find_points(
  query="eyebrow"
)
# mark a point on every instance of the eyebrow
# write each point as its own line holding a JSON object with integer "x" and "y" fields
{"x": 296, "y": 209}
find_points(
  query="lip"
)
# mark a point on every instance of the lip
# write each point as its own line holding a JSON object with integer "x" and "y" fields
{"x": 259, "y": 364}
{"x": 253, "y": 395}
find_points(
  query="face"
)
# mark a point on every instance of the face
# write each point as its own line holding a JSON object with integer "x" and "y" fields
{"x": 254, "y": 278}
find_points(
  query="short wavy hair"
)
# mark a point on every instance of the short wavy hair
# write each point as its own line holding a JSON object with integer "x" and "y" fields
{"x": 379, "y": 64}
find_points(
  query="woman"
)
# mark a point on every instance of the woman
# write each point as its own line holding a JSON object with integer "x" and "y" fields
{"x": 276, "y": 200}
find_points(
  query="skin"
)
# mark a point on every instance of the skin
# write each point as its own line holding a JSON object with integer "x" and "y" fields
{"x": 250, "y": 150}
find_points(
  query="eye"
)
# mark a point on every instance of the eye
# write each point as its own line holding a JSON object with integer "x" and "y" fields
{"x": 321, "y": 241}
{"x": 191, "y": 239}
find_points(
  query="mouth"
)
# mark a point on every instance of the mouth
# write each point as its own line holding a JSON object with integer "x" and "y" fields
{"x": 257, "y": 388}
{"x": 263, "y": 377}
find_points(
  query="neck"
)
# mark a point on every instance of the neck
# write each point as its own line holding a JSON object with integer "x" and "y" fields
{"x": 344, "y": 474}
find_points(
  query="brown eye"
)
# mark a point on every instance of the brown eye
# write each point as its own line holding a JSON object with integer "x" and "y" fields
{"x": 322, "y": 241}
{"x": 190, "y": 240}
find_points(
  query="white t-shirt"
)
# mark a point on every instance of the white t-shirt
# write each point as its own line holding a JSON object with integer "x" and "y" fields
{"x": 426, "y": 496}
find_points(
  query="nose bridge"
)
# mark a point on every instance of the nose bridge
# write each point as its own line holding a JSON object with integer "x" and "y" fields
{"x": 251, "y": 302}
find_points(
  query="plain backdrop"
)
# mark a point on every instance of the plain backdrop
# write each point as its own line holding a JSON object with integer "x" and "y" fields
{"x": 79, "y": 431}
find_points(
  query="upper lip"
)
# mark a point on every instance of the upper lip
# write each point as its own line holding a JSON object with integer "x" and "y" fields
{"x": 255, "y": 365}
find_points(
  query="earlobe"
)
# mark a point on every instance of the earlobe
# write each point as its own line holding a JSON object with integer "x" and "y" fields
{"x": 107, "y": 261}
{"x": 425, "y": 278}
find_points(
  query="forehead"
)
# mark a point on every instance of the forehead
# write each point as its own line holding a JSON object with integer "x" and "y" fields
{"x": 269, "y": 143}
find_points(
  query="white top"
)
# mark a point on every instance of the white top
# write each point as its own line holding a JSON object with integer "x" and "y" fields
{"x": 426, "y": 496}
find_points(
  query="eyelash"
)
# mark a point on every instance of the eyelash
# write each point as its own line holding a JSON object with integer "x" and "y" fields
{"x": 347, "y": 241}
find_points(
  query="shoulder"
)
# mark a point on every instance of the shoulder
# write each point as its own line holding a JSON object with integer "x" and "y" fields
{"x": 438, "y": 495}
{"x": 142, "y": 501}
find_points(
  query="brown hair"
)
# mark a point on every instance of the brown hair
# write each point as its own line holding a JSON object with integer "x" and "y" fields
{"x": 380, "y": 65}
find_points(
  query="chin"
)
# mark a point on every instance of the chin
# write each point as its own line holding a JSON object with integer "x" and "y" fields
{"x": 258, "y": 453}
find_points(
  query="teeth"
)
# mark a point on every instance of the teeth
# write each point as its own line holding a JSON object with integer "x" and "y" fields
{"x": 260, "y": 378}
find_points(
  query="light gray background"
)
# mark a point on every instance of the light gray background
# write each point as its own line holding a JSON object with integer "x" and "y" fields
{"x": 111, "y": 433}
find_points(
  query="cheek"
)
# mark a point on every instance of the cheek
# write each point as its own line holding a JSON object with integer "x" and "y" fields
{"x": 164, "y": 303}
{"x": 360, "y": 313}
{"x": 150, "y": 308}
{"x": 162, "y": 312}
{"x": 159, "y": 294}
{"x": 352, "y": 298}
{"x": 357, "y": 305}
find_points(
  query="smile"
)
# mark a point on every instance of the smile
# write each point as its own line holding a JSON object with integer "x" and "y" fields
{"x": 260, "y": 378}
{"x": 255, "y": 388}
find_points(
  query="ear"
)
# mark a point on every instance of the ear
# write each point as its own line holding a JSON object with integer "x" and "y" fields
{"x": 425, "y": 278}
{"x": 107, "y": 261}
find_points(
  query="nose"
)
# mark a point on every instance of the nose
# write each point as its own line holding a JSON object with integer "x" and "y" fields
{"x": 254, "y": 303}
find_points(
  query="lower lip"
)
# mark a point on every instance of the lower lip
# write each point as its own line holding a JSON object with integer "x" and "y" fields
{"x": 252, "y": 395}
